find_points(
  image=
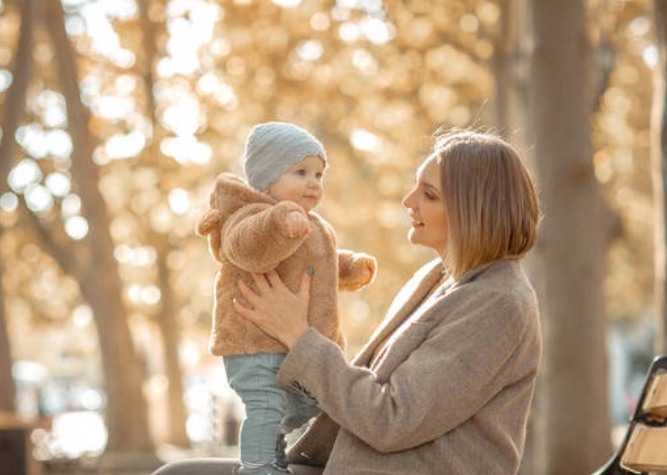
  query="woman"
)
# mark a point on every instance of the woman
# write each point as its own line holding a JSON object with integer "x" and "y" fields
{"x": 445, "y": 383}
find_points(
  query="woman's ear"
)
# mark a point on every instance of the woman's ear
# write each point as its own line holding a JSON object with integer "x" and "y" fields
{"x": 208, "y": 222}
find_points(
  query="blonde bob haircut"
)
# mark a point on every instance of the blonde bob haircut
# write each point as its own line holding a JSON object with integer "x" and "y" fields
{"x": 490, "y": 199}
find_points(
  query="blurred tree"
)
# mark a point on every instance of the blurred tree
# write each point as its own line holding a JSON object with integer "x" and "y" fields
{"x": 577, "y": 231}
{"x": 659, "y": 173}
{"x": 94, "y": 266}
{"x": 8, "y": 393}
{"x": 510, "y": 67}
{"x": 125, "y": 413}
{"x": 622, "y": 141}
{"x": 13, "y": 111}
{"x": 167, "y": 317}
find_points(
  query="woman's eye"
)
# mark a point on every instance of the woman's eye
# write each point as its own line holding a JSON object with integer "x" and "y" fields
{"x": 301, "y": 172}
{"x": 319, "y": 176}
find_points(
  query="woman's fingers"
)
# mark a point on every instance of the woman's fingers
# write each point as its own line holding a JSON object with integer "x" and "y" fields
{"x": 261, "y": 283}
{"x": 241, "y": 309}
{"x": 274, "y": 279}
{"x": 250, "y": 295}
{"x": 271, "y": 281}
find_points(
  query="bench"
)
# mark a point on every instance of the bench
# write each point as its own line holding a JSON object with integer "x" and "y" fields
{"x": 644, "y": 447}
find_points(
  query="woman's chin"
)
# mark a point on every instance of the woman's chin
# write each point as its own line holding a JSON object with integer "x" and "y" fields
{"x": 413, "y": 238}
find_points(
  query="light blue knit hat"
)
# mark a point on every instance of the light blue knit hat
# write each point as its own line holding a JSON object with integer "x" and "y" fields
{"x": 273, "y": 148}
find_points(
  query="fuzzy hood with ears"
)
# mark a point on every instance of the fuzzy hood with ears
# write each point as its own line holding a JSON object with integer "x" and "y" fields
{"x": 229, "y": 195}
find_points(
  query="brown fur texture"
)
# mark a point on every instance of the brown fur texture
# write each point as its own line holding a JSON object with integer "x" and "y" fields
{"x": 246, "y": 233}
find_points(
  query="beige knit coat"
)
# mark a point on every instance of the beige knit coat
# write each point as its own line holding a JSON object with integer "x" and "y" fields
{"x": 246, "y": 233}
{"x": 443, "y": 387}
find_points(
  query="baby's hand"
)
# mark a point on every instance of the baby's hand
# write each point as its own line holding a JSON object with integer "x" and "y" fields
{"x": 297, "y": 225}
{"x": 357, "y": 270}
{"x": 365, "y": 267}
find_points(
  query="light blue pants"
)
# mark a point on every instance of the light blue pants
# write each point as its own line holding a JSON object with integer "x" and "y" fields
{"x": 271, "y": 408}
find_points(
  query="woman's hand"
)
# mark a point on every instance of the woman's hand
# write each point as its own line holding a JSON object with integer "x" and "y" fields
{"x": 279, "y": 312}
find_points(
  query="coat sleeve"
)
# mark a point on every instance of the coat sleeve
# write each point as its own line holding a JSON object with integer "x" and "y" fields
{"x": 461, "y": 364}
{"x": 255, "y": 237}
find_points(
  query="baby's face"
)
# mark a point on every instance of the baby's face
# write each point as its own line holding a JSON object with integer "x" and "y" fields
{"x": 301, "y": 184}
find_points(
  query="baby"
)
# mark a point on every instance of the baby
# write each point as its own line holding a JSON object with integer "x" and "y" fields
{"x": 257, "y": 226}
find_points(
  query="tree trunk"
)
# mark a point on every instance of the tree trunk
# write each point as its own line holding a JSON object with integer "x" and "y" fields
{"x": 177, "y": 415}
{"x": 509, "y": 66}
{"x": 14, "y": 109}
{"x": 99, "y": 279}
{"x": 167, "y": 321}
{"x": 577, "y": 229}
{"x": 659, "y": 173}
{"x": 8, "y": 393}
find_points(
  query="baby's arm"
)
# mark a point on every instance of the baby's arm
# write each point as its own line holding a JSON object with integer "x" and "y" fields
{"x": 355, "y": 270}
{"x": 257, "y": 238}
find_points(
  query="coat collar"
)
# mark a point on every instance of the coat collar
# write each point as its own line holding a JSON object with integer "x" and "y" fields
{"x": 473, "y": 273}
{"x": 409, "y": 298}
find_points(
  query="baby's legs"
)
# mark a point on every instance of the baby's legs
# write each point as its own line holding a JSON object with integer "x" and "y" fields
{"x": 253, "y": 377}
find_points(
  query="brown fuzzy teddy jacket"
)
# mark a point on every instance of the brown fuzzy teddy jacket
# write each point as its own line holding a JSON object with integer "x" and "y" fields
{"x": 246, "y": 233}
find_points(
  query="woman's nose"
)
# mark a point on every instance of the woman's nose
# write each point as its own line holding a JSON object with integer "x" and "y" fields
{"x": 406, "y": 200}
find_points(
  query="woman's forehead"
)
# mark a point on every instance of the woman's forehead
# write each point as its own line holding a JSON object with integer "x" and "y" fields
{"x": 429, "y": 168}
{"x": 428, "y": 174}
